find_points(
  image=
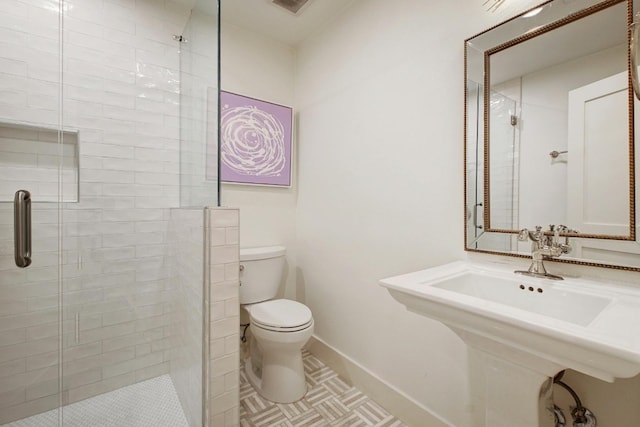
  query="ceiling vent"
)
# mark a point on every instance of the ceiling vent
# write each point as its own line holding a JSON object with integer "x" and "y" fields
{"x": 293, "y": 6}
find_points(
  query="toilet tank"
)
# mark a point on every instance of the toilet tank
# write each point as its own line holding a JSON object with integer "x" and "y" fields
{"x": 260, "y": 273}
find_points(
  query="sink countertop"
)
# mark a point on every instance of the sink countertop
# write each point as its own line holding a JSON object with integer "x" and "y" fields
{"x": 602, "y": 318}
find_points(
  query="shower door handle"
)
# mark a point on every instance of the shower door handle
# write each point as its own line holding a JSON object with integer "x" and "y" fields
{"x": 22, "y": 228}
{"x": 475, "y": 215}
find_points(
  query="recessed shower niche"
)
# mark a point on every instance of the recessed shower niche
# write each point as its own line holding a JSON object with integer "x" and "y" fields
{"x": 36, "y": 159}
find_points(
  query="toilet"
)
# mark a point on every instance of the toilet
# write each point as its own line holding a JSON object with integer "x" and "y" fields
{"x": 279, "y": 327}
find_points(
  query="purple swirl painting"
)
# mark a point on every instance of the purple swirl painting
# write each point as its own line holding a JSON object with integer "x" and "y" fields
{"x": 255, "y": 141}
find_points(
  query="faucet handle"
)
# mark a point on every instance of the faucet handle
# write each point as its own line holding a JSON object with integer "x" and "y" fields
{"x": 564, "y": 247}
{"x": 565, "y": 229}
{"x": 538, "y": 235}
{"x": 556, "y": 233}
{"x": 523, "y": 235}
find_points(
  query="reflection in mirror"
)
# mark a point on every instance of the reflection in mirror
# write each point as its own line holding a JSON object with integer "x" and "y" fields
{"x": 576, "y": 97}
{"x": 548, "y": 133}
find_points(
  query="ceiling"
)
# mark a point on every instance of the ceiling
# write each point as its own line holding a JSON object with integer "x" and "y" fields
{"x": 263, "y": 17}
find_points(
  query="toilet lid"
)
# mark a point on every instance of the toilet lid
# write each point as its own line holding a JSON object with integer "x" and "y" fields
{"x": 280, "y": 313}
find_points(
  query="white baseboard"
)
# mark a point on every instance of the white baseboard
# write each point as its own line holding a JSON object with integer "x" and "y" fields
{"x": 390, "y": 398}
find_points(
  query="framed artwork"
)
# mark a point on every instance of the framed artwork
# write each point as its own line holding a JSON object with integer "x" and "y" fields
{"x": 255, "y": 141}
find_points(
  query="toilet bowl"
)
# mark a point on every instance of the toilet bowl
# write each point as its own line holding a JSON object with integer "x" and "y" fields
{"x": 279, "y": 327}
{"x": 281, "y": 377}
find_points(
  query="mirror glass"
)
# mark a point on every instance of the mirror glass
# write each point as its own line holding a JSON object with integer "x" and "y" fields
{"x": 549, "y": 133}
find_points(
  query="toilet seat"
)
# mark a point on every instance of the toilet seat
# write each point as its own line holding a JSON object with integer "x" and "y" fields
{"x": 281, "y": 315}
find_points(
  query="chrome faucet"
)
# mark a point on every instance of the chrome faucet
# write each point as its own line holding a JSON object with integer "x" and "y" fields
{"x": 543, "y": 246}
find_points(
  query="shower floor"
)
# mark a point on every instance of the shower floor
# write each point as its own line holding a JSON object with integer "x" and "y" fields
{"x": 150, "y": 403}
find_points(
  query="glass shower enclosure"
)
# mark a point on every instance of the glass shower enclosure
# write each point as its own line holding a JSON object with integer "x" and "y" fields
{"x": 108, "y": 154}
{"x": 504, "y": 160}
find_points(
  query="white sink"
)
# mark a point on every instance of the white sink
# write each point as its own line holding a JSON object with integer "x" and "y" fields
{"x": 531, "y": 327}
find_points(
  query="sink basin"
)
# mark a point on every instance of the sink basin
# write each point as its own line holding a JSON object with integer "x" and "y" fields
{"x": 525, "y": 330}
{"x": 531, "y": 296}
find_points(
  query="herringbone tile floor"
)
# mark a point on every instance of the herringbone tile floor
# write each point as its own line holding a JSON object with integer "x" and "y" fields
{"x": 329, "y": 401}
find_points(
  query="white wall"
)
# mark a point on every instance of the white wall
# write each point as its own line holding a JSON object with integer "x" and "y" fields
{"x": 380, "y": 95}
{"x": 258, "y": 67}
{"x": 380, "y": 100}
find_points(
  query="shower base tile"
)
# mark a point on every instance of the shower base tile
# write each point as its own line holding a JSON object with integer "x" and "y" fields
{"x": 151, "y": 403}
{"x": 329, "y": 401}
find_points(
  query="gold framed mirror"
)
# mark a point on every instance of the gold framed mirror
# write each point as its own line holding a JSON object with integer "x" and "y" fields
{"x": 549, "y": 131}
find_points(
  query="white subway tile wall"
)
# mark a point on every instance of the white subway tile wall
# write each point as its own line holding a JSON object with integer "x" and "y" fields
{"x": 121, "y": 93}
{"x": 504, "y": 155}
{"x": 224, "y": 303}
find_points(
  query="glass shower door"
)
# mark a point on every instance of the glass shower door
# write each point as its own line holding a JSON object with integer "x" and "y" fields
{"x": 31, "y": 159}
{"x": 474, "y": 166}
{"x": 504, "y": 162}
{"x": 29, "y": 311}
{"x": 199, "y": 188}
{"x": 199, "y": 81}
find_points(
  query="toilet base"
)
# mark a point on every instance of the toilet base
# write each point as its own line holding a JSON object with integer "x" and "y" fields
{"x": 279, "y": 383}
